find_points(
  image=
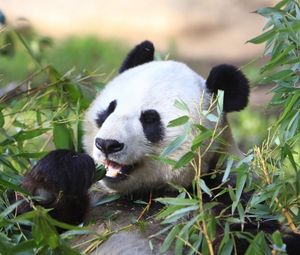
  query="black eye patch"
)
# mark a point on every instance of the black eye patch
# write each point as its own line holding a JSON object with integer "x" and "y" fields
{"x": 152, "y": 125}
{"x": 102, "y": 116}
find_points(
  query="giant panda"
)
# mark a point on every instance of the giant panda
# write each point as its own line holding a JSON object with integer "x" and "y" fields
{"x": 128, "y": 120}
{"x": 123, "y": 128}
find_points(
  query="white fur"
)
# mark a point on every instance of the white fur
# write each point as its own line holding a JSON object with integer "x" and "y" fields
{"x": 155, "y": 85}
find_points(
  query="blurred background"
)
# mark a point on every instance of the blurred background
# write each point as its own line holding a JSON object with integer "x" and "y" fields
{"x": 95, "y": 35}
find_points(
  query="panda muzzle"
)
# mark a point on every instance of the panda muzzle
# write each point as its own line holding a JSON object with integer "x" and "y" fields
{"x": 115, "y": 170}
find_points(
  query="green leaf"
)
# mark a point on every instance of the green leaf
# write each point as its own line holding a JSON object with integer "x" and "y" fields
{"x": 10, "y": 209}
{"x": 24, "y": 135}
{"x": 100, "y": 172}
{"x": 23, "y": 247}
{"x": 278, "y": 59}
{"x": 264, "y": 37}
{"x": 228, "y": 247}
{"x": 288, "y": 108}
{"x": 240, "y": 184}
{"x": 197, "y": 141}
{"x": 228, "y": 169}
{"x": 174, "y": 145}
{"x": 39, "y": 117}
{"x": 62, "y": 136}
{"x": 276, "y": 237}
{"x": 179, "y": 246}
{"x": 281, "y": 4}
{"x": 258, "y": 246}
{"x": 178, "y": 214}
{"x": 28, "y": 155}
{"x": 177, "y": 201}
{"x": 204, "y": 187}
{"x": 9, "y": 185}
{"x": 277, "y": 76}
{"x": 169, "y": 239}
{"x": 27, "y": 47}
{"x": 184, "y": 160}
{"x": 179, "y": 121}
{"x": 43, "y": 231}
{"x": 269, "y": 11}
{"x": 1, "y": 119}
{"x": 167, "y": 211}
{"x": 181, "y": 105}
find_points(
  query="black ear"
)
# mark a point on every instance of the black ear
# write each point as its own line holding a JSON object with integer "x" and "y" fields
{"x": 233, "y": 82}
{"x": 140, "y": 54}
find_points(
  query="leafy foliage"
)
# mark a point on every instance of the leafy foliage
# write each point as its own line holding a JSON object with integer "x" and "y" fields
{"x": 276, "y": 163}
{"x": 41, "y": 113}
{"x": 44, "y": 111}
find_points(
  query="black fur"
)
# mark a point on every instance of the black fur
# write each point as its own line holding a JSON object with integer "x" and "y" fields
{"x": 233, "y": 82}
{"x": 141, "y": 54}
{"x": 108, "y": 146}
{"x": 66, "y": 176}
{"x": 102, "y": 116}
{"x": 152, "y": 125}
{"x": 292, "y": 242}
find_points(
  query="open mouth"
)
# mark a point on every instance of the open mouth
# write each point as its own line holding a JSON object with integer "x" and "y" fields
{"x": 116, "y": 171}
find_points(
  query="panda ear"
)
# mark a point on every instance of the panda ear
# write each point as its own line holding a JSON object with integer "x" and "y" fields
{"x": 233, "y": 82}
{"x": 140, "y": 54}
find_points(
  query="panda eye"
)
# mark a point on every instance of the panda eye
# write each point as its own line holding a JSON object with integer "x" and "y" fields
{"x": 152, "y": 125}
{"x": 102, "y": 116}
{"x": 149, "y": 117}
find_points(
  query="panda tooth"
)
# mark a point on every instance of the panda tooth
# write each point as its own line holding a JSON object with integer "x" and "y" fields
{"x": 113, "y": 169}
{"x": 112, "y": 172}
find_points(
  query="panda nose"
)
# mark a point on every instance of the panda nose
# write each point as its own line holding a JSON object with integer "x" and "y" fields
{"x": 108, "y": 146}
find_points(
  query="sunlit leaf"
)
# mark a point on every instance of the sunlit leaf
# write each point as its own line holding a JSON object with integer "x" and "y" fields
{"x": 62, "y": 136}
{"x": 264, "y": 37}
{"x": 24, "y": 135}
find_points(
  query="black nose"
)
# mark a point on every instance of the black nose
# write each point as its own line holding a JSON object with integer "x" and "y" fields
{"x": 108, "y": 146}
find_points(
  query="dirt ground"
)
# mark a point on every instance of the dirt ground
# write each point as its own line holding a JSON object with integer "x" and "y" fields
{"x": 196, "y": 29}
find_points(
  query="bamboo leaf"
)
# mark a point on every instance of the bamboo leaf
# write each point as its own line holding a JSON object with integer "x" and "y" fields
{"x": 181, "y": 105}
{"x": 62, "y": 136}
{"x": 177, "y": 201}
{"x": 174, "y": 145}
{"x": 258, "y": 245}
{"x": 24, "y": 135}
{"x": 264, "y": 37}
{"x": 197, "y": 141}
{"x": 179, "y": 121}
{"x": 169, "y": 239}
{"x": 184, "y": 160}
{"x": 204, "y": 187}
{"x": 1, "y": 119}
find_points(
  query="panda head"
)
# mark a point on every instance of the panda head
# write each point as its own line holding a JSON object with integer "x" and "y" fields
{"x": 128, "y": 121}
